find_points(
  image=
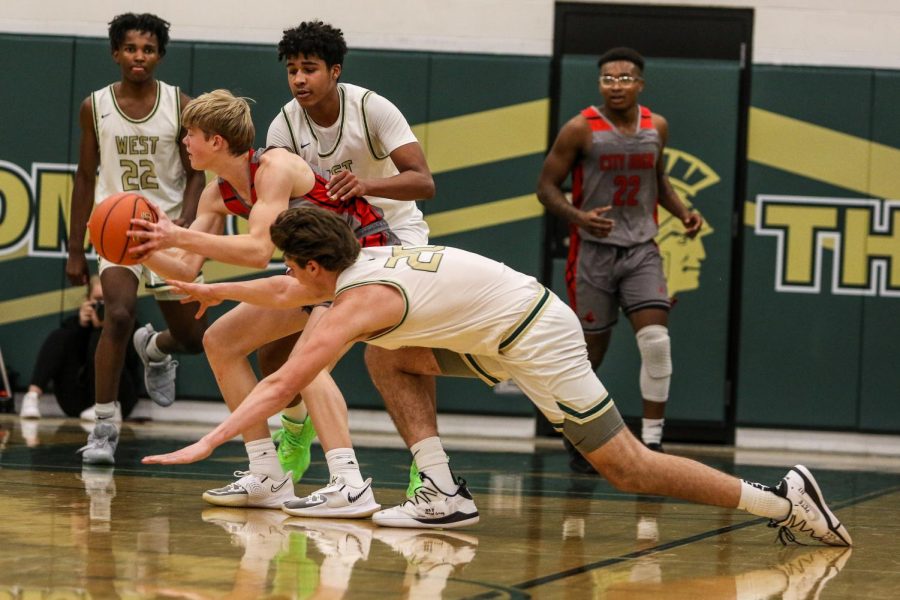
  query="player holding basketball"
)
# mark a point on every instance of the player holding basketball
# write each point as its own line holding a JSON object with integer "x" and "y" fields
{"x": 131, "y": 130}
{"x": 453, "y": 301}
{"x": 257, "y": 186}
{"x": 368, "y": 148}
{"x": 615, "y": 153}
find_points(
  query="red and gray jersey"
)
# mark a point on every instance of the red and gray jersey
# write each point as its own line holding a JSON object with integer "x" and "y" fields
{"x": 620, "y": 171}
{"x": 366, "y": 221}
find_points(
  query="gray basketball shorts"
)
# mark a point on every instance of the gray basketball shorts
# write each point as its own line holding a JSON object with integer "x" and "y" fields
{"x": 608, "y": 277}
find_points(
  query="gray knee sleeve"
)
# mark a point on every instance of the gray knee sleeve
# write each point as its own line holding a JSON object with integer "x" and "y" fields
{"x": 656, "y": 362}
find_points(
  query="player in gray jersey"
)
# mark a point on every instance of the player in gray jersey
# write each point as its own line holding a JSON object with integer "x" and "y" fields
{"x": 130, "y": 134}
{"x": 453, "y": 301}
{"x": 614, "y": 153}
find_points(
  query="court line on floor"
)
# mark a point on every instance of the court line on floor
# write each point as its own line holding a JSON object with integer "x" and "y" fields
{"x": 533, "y": 583}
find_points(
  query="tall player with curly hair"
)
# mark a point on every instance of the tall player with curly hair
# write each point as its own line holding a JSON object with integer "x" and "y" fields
{"x": 130, "y": 131}
{"x": 364, "y": 145}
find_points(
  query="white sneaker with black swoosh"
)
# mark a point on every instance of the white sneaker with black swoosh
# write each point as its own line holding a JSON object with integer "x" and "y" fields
{"x": 253, "y": 490}
{"x": 810, "y": 518}
{"x": 337, "y": 500}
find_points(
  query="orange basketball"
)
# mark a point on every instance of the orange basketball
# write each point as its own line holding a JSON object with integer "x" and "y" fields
{"x": 110, "y": 222}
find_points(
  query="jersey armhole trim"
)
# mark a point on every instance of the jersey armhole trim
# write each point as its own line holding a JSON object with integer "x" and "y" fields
{"x": 365, "y": 119}
{"x": 386, "y": 282}
{"x": 94, "y": 117}
{"x": 177, "y": 114}
{"x": 291, "y": 133}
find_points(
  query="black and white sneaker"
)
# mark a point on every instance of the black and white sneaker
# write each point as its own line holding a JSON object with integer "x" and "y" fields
{"x": 338, "y": 500}
{"x": 252, "y": 490}
{"x": 809, "y": 515}
{"x": 431, "y": 507}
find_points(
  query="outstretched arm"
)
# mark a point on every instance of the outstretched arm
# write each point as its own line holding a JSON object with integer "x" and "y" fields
{"x": 278, "y": 291}
{"x": 355, "y": 316}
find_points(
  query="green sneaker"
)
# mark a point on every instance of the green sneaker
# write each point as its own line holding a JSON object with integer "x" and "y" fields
{"x": 415, "y": 480}
{"x": 294, "y": 440}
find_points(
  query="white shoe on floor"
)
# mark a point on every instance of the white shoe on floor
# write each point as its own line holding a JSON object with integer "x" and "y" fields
{"x": 431, "y": 507}
{"x": 90, "y": 415}
{"x": 809, "y": 515}
{"x": 252, "y": 491}
{"x": 338, "y": 500}
{"x": 31, "y": 406}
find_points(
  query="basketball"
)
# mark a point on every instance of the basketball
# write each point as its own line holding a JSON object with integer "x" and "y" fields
{"x": 110, "y": 222}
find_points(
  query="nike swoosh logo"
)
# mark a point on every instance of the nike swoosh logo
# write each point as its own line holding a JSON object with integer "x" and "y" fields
{"x": 305, "y": 145}
{"x": 353, "y": 498}
{"x": 275, "y": 488}
{"x": 104, "y": 116}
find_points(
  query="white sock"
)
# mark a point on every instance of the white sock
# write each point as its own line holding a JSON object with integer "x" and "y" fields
{"x": 432, "y": 460}
{"x": 297, "y": 413}
{"x": 651, "y": 430}
{"x": 263, "y": 458}
{"x": 758, "y": 499}
{"x": 105, "y": 411}
{"x": 342, "y": 461}
{"x": 153, "y": 351}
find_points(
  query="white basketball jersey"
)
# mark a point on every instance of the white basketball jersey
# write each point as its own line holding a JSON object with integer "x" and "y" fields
{"x": 367, "y": 130}
{"x": 454, "y": 299}
{"x": 140, "y": 155}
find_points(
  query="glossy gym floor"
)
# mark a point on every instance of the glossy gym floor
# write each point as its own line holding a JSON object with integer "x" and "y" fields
{"x": 142, "y": 532}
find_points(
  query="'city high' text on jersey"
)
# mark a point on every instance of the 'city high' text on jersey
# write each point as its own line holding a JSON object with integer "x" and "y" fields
{"x": 140, "y": 155}
{"x": 620, "y": 171}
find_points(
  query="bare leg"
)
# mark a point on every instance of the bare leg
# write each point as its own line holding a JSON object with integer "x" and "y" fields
{"x": 274, "y": 354}
{"x": 229, "y": 341}
{"x": 631, "y": 467}
{"x": 405, "y": 380}
{"x": 185, "y": 333}
{"x": 120, "y": 296}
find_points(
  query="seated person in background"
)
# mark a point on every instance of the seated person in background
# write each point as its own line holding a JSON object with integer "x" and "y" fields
{"x": 66, "y": 359}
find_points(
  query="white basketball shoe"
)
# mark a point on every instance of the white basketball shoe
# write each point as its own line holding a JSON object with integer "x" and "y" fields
{"x": 252, "y": 490}
{"x": 810, "y": 516}
{"x": 432, "y": 507}
{"x": 337, "y": 500}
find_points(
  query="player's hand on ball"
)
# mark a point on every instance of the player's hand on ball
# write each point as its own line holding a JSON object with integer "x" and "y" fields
{"x": 153, "y": 236}
{"x": 189, "y": 454}
{"x": 203, "y": 293}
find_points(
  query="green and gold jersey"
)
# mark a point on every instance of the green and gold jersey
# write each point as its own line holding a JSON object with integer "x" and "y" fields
{"x": 454, "y": 299}
{"x": 140, "y": 155}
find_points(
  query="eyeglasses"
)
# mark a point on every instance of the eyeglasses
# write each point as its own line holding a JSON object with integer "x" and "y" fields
{"x": 623, "y": 80}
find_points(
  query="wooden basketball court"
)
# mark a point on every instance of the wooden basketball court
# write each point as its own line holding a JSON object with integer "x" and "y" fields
{"x": 144, "y": 532}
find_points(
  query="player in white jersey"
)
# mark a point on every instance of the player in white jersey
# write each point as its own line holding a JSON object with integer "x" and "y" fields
{"x": 615, "y": 155}
{"x": 449, "y": 299}
{"x": 363, "y": 144}
{"x": 130, "y": 131}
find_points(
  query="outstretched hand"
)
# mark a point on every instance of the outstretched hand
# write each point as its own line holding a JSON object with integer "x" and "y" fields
{"x": 203, "y": 293}
{"x": 154, "y": 236}
{"x": 189, "y": 454}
